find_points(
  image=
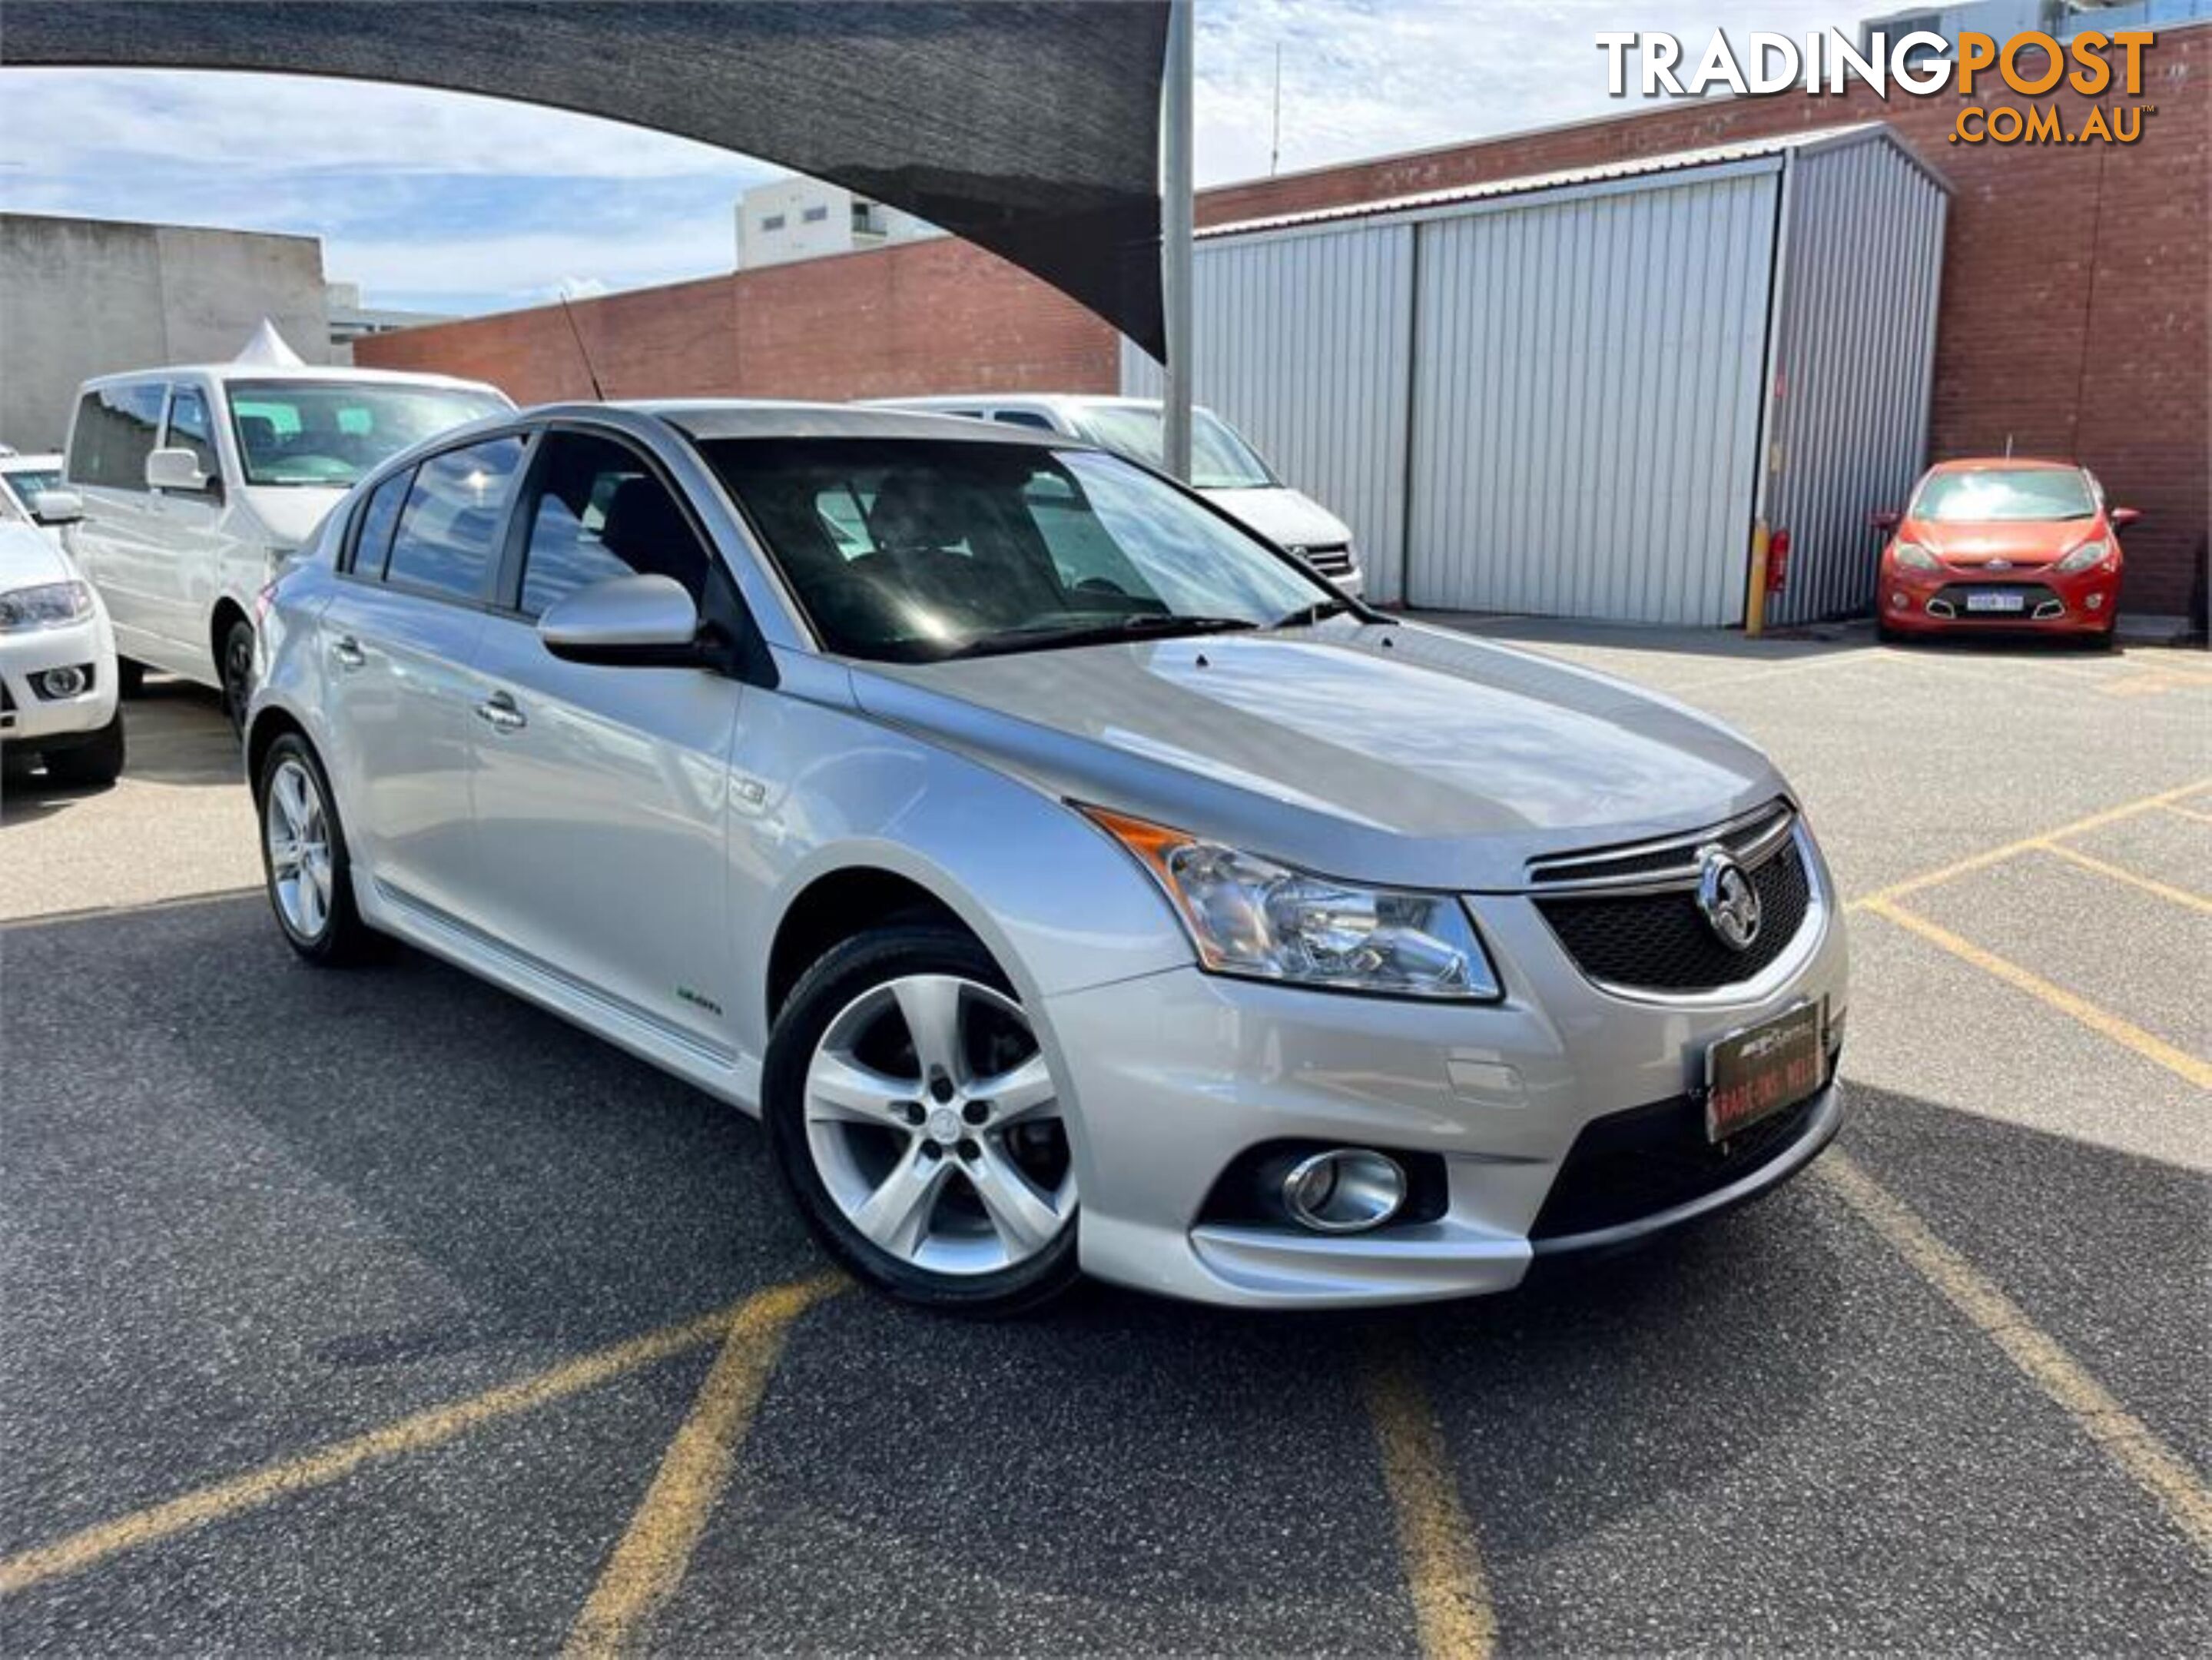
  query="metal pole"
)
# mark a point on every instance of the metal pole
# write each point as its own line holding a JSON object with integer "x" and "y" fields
{"x": 1174, "y": 238}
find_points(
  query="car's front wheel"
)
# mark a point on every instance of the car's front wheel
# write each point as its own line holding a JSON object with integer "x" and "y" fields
{"x": 237, "y": 671}
{"x": 304, "y": 859}
{"x": 917, "y": 1124}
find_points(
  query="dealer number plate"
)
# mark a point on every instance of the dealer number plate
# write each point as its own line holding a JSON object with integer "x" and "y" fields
{"x": 1755, "y": 1072}
{"x": 1995, "y": 602}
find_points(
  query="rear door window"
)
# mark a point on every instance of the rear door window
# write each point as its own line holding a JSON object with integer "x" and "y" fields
{"x": 113, "y": 435}
{"x": 380, "y": 517}
{"x": 447, "y": 542}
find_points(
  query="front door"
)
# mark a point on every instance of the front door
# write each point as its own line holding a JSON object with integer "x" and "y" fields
{"x": 601, "y": 793}
{"x": 117, "y": 543}
{"x": 399, "y": 639}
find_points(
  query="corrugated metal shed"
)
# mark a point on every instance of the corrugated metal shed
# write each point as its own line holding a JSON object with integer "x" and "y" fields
{"x": 1573, "y": 394}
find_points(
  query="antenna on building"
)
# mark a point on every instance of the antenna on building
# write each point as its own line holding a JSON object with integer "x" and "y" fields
{"x": 583, "y": 350}
{"x": 1275, "y": 141}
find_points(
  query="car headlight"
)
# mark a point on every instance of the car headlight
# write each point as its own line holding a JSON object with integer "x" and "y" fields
{"x": 2088, "y": 554}
{"x": 46, "y": 606}
{"x": 1251, "y": 916}
{"x": 1913, "y": 557}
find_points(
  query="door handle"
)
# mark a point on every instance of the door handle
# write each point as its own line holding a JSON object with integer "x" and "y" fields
{"x": 500, "y": 712}
{"x": 347, "y": 651}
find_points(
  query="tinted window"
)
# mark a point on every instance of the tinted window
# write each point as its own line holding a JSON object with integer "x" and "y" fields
{"x": 114, "y": 435}
{"x": 189, "y": 429}
{"x": 25, "y": 483}
{"x": 599, "y": 513}
{"x": 1995, "y": 494}
{"x": 449, "y": 529}
{"x": 916, "y": 550}
{"x": 329, "y": 433}
{"x": 380, "y": 517}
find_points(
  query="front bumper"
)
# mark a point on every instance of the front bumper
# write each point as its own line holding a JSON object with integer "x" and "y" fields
{"x": 1176, "y": 1075}
{"x": 34, "y": 721}
{"x": 1934, "y": 602}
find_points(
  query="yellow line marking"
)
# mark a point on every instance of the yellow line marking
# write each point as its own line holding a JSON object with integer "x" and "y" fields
{"x": 1452, "y": 1609}
{"x": 2186, "y": 812}
{"x": 654, "y": 1553}
{"x": 2122, "y": 1437}
{"x": 2197, "y": 1071}
{"x": 2026, "y": 844}
{"x": 2179, "y": 896}
{"x": 413, "y": 1433}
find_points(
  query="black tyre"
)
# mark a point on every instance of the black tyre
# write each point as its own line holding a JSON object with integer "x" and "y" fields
{"x": 917, "y": 1124}
{"x": 303, "y": 858}
{"x": 91, "y": 765}
{"x": 236, "y": 664}
{"x": 129, "y": 678}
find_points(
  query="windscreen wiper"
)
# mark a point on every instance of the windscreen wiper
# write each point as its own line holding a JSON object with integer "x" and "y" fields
{"x": 1155, "y": 623}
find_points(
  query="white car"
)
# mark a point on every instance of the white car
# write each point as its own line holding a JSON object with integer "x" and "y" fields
{"x": 1224, "y": 468}
{"x": 57, "y": 680}
{"x": 197, "y": 483}
{"x": 31, "y": 493}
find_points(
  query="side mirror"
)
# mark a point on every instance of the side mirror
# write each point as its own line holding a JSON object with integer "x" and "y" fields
{"x": 636, "y": 622}
{"x": 2123, "y": 517}
{"x": 175, "y": 469}
{"x": 57, "y": 507}
{"x": 1885, "y": 520}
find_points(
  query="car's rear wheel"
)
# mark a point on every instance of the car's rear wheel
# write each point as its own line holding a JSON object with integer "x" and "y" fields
{"x": 303, "y": 857}
{"x": 93, "y": 764}
{"x": 917, "y": 1124}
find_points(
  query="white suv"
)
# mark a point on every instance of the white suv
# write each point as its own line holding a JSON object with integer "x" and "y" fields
{"x": 197, "y": 483}
{"x": 1224, "y": 467}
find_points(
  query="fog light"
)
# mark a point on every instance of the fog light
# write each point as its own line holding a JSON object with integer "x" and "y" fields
{"x": 64, "y": 682}
{"x": 2096, "y": 602}
{"x": 1899, "y": 602}
{"x": 1344, "y": 1190}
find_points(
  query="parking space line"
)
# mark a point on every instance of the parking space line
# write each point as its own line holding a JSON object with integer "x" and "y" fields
{"x": 2119, "y": 1434}
{"x": 2164, "y": 890}
{"x": 1452, "y": 1610}
{"x": 2102, "y": 1021}
{"x": 413, "y": 1433}
{"x": 2180, "y": 811}
{"x": 1998, "y": 855}
{"x": 654, "y": 1553}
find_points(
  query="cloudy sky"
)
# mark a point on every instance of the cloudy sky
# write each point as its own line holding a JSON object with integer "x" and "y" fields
{"x": 448, "y": 202}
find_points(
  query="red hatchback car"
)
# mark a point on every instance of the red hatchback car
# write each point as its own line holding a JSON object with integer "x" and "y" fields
{"x": 2007, "y": 543}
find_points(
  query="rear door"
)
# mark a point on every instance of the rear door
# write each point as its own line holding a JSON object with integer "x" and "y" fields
{"x": 404, "y": 700}
{"x": 602, "y": 792}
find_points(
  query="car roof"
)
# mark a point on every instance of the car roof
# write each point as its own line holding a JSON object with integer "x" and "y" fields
{"x": 1014, "y": 400}
{"x": 732, "y": 417}
{"x": 2004, "y": 464}
{"x": 325, "y": 373}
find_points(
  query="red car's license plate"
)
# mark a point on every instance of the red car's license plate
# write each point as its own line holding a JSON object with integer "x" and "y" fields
{"x": 1751, "y": 1073}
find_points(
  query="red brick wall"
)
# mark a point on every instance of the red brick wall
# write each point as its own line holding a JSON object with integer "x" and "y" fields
{"x": 2075, "y": 289}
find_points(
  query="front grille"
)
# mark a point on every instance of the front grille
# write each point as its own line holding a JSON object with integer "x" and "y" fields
{"x": 1740, "y": 838}
{"x": 1660, "y": 942}
{"x": 1330, "y": 562}
{"x": 1629, "y": 1165}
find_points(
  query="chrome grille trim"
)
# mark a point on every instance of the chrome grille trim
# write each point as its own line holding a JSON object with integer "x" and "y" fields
{"x": 1753, "y": 837}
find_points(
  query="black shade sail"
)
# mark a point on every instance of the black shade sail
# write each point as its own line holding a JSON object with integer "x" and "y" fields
{"x": 1031, "y": 127}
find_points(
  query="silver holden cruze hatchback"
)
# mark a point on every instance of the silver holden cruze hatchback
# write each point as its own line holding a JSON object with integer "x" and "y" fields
{"x": 1068, "y": 879}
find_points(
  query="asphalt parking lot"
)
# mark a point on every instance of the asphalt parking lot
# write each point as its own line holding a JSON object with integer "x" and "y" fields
{"x": 376, "y": 1311}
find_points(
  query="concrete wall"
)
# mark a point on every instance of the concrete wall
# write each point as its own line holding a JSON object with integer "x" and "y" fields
{"x": 80, "y": 297}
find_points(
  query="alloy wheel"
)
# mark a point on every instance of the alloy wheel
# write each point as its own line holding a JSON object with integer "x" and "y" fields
{"x": 296, "y": 826}
{"x": 935, "y": 1126}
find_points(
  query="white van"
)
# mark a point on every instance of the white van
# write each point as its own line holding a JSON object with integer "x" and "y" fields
{"x": 1223, "y": 467}
{"x": 197, "y": 483}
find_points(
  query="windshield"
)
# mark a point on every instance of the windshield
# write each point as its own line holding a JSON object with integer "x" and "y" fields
{"x": 1991, "y": 495}
{"x": 329, "y": 432}
{"x": 24, "y": 483}
{"x": 1219, "y": 459}
{"x": 914, "y": 550}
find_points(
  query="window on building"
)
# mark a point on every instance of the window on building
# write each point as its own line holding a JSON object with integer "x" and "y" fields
{"x": 113, "y": 435}
{"x": 189, "y": 429}
{"x": 600, "y": 513}
{"x": 772, "y": 221}
{"x": 815, "y": 216}
{"x": 449, "y": 528}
